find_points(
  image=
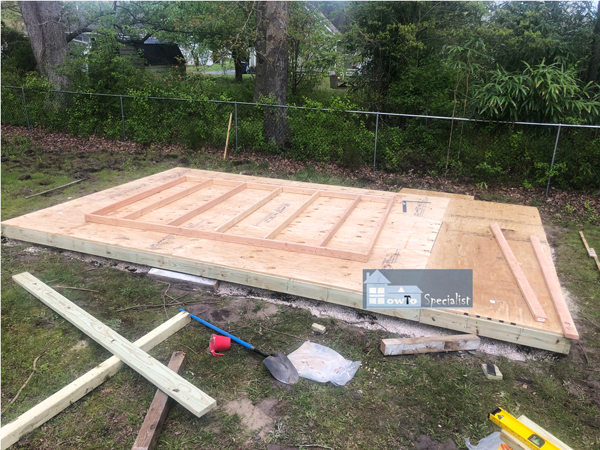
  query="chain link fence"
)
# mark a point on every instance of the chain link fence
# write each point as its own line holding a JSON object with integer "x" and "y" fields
{"x": 436, "y": 145}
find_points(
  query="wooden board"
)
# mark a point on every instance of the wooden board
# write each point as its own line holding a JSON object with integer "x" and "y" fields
{"x": 458, "y": 227}
{"x": 436, "y": 194}
{"x": 176, "y": 387}
{"x": 44, "y": 411}
{"x": 429, "y": 344}
{"x": 157, "y": 413}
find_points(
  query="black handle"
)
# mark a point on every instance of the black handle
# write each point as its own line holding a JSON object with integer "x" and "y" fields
{"x": 260, "y": 352}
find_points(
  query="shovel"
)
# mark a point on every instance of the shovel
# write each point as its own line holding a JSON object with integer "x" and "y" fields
{"x": 278, "y": 363}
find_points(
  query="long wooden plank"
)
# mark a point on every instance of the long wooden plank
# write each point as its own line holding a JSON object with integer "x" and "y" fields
{"x": 175, "y": 386}
{"x": 566, "y": 321}
{"x": 157, "y": 414}
{"x": 543, "y": 433}
{"x": 339, "y": 223}
{"x": 295, "y": 214}
{"x": 194, "y": 212}
{"x": 530, "y": 298}
{"x": 590, "y": 251}
{"x": 380, "y": 226}
{"x": 429, "y": 344}
{"x": 44, "y": 411}
{"x": 241, "y": 216}
{"x": 140, "y": 196}
{"x": 165, "y": 201}
{"x": 233, "y": 238}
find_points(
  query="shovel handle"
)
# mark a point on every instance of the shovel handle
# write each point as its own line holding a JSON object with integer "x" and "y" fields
{"x": 224, "y": 333}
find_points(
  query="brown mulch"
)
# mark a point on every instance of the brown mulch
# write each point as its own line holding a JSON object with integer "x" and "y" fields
{"x": 558, "y": 205}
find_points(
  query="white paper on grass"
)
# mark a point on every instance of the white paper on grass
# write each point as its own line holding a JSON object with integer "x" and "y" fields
{"x": 319, "y": 363}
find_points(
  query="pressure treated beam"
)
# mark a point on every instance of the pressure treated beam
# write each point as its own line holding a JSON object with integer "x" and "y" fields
{"x": 273, "y": 234}
{"x": 220, "y": 199}
{"x": 44, "y": 411}
{"x": 564, "y": 316}
{"x": 157, "y": 414}
{"x": 241, "y": 216}
{"x": 530, "y": 298}
{"x": 175, "y": 386}
{"x": 140, "y": 196}
{"x": 165, "y": 201}
{"x": 340, "y": 221}
{"x": 380, "y": 226}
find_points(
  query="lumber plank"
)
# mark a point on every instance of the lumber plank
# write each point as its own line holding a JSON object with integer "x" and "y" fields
{"x": 566, "y": 321}
{"x": 157, "y": 414}
{"x": 165, "y": 201}
{"x": 44, "y": 411}
{"x": 140, "y": 196}
{"x": 208, "y": 205}
{"x": 590, "y": 251}
{"x": 429, "y": 344}
{"x": 241, "y": 216}
{"x": 380, "y": 226}
{"x": 512, "y": 441}
{"x": 340, "y": 222}
{"x": 544, "y": 433}
{"x": 530, "y": 298}
{"x": 273, "y": 234}
{"x": 181, "y": 390}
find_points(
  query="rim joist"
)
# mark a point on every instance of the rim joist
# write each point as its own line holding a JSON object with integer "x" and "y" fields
{"x": 174, "y": 227}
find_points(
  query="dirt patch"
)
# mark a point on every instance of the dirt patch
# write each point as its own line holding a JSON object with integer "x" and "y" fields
{"x": 426, "y": 443}
{"x": 257, "y": 417}
{"x": 236, "y": 309}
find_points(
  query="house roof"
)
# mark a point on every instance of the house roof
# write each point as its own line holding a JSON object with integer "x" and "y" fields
{"x": 157, "y": 54}
{"x": 377, "y": 278}
{"x": 411, "y": 289}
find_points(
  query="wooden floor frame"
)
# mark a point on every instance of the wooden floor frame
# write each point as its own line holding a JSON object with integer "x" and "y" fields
{"x": 219, "y": 234}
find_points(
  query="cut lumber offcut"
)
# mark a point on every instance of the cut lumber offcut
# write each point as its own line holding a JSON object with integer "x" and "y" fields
{"x": 175, "y": 386}
{"x": 530, "y": 298}
{"x": 157, "y": 414}
{"x": 491, "y": 371}
{"x": 543, "y": 433}
{"x": 590, "y": 251}
{"x": 566, "y": 321}
{"x": 44, "y": 411}
{"x": 55, "y": 189}
{"x": 429, "y": 344}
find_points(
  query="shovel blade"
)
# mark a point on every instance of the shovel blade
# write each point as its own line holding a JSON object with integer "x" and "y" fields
{"x": 282, "y": 368}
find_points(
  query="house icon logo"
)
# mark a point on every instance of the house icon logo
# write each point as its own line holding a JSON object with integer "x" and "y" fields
{"x": 380, "y": 293}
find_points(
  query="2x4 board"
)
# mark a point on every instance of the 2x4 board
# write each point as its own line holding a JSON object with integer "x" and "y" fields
{"x": 310, "y": 240}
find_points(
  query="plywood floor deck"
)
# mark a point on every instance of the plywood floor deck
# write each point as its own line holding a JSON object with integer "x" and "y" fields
{"x": 435, "y": 232}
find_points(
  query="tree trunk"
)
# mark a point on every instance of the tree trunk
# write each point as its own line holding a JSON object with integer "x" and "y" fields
{"x": 595, "y": 60}
{"x": 237, "y": 63}
{"x": 261, "y": 50}
{"x": 48, "y": 38}
{"x": 276, "y": 72}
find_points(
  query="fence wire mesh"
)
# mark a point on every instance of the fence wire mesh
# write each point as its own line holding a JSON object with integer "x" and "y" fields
{"x": 425, "y": 144}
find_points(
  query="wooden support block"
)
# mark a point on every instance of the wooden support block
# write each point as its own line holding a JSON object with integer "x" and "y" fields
{"x": 429, "y": 344}
{"x": 157, "y": 414}
{"x": 44, "y": 411}
{"x": 183, "y": 280}
{"x": 184, "y": 392}
{"x": 530, "y": 298}
{"x": 497, "y": 375}
{"x": 318, "y": 329}
{"x": 564, "y": 316}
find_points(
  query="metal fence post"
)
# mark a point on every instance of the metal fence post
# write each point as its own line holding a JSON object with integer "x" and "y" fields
{"x": 552, "y": 163}
{"x": 236, "y": 130}
{"x": 123, "y": 119}
{"x": 25, "y": 105}
{"x": 375, "y": 152}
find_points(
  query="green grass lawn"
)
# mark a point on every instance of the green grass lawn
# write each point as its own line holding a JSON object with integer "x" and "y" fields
{"x": 389, "y": 403}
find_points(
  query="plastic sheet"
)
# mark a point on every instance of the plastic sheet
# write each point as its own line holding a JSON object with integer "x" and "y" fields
{"x": 319, "y": 363}
{"x": 492, "y": 442}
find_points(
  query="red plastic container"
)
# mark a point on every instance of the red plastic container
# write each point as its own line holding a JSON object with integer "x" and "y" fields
{"x": 219, "y": 344}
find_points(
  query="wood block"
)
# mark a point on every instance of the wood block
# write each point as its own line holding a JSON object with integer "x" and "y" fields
{"x": 157, "y": 414}
{"x": 184, "y": 392}
{"x": 530, "y": 298}
{"x": 489, "y": 376}
{"x": 429, "y": 344}
{"x": 183, "y": 280}
{"x": 318, "y": 329}
{"x": 44, "y": 411}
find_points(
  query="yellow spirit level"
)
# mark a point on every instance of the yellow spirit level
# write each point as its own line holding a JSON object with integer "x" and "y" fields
{"x": 520, "y": 431}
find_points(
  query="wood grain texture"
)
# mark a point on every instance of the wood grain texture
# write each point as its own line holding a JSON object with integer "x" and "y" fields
{"x": 157, "y": 414}
{"x": 273, "y": 234}
{"x": 543, "y": 433}
{"x": 340, "y": 222}
{"x": 566, "y": 321}
{"x": 44, "y": 411}
{"x": 241, "y": 216}
{"x": 530, "y": 298}
{"x": 181, "y": 390}
{"x": 429, "y": 344}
